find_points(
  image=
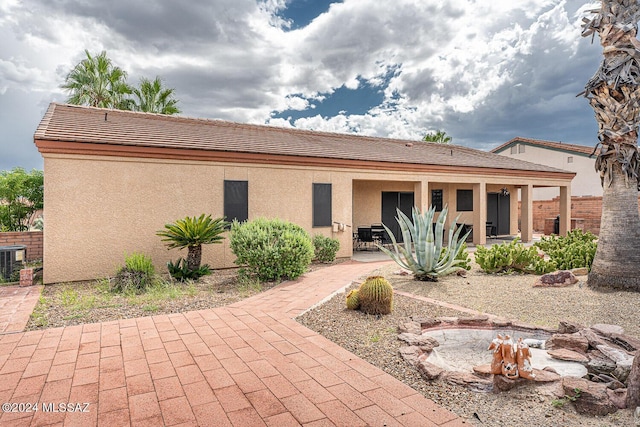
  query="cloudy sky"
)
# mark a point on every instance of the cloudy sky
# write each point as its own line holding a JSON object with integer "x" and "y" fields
{"x": 483, "y": 71}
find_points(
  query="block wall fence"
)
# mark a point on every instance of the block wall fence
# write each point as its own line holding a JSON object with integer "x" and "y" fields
{"x": 588, "y": 209}
{"x": 31, "y": 239}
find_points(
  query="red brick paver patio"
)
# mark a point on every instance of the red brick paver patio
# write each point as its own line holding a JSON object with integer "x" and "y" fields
{"x": 248, "y": 364}
{"x": 16, "y": 305}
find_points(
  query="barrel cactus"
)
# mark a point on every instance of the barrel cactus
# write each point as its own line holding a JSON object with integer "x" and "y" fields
{"x": 353, "y": 302}
{"x": 375, "y": 296}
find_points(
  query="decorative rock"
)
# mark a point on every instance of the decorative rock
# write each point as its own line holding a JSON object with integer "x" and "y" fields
{"x": 575, "y": 342}
{"x": 618, "y": 397}
{"x": 627, "y": 342}
{"x": 564, "y": 354}
{"x": 500, "y": 323}
{"x": 593, "y": 398}
{"x": 410, "y": 327}
{"x": 601, "y": 365}
{"x": 623, "y": 369}
{"x": 482, "y": 370}
{"x": 428, "y": 370}
{"x": 502, "y": 383}
{"x": 607, "y": 330}
{"x": 426, "y": 322}
{"x": 594, "y": 339}
{"x": 558, "y": 279}
{"x": 470, "y": 381}
{"x": 546, "y": 376}
{"x": 568, "y": 327}
{"x": 425, "y": 342}
{"x": 583, "y": 271}
{"x": 473, "y": 321}
{"x": 618, "y": 356}
{"x": 401, "y": 272}
{"x": 410, "y": 354}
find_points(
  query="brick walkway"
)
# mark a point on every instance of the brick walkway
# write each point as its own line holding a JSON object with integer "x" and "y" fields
{"x": 16, "y": 305}
{"x": 248, "y": 364}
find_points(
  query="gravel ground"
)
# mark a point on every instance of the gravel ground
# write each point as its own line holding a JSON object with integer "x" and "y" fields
{"x": 374, "y": 339}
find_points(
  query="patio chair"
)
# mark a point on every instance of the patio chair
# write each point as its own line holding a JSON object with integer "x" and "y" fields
{"x": 365, "y": 238}
{"x": 380, "y": 235}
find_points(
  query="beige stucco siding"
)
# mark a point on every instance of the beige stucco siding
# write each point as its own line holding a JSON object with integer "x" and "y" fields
{"x": 99, "y": 209}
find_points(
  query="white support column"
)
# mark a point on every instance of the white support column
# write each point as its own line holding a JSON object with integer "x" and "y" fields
{"x": 480, "y": 213}
{"x": 565, "y": 210}
{"x": 526, "y": 223}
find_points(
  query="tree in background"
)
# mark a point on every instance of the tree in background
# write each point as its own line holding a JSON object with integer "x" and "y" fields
{"x": 151, "y": 97}
{"x": 439, "y": 137}
{"x": 96, "y": 82}
{"x": 21, "y": 194}
{"x": 614, "y": 94}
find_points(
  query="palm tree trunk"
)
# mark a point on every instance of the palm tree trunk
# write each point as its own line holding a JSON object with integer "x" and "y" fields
{"x": 194, "y": 257}
{"x": 617, "y": 260}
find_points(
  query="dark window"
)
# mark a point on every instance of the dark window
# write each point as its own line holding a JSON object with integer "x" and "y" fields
{"x": 236, "y": 200}
{"x": 322, "y": 205}
{"x": 464, "y": 200}
{"x": 436, "y": 199}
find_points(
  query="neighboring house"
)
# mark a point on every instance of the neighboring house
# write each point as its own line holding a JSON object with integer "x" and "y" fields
{"x": 113, "y": 178}
{"x": 570, "y": 157}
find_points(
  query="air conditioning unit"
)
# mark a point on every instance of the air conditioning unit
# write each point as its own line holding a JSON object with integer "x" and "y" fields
{"x": 11, "y": 258}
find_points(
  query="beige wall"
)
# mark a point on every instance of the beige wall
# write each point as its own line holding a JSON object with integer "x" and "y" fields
{"x": 586, "y": 182}
{"x": 100, "y": 208}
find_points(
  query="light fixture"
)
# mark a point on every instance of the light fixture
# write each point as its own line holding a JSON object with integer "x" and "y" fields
{"x": 504, "y": 192}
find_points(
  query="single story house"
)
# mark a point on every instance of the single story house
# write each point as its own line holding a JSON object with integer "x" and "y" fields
{"x": 570, "y": 157}
{"x": 114, "y": 178}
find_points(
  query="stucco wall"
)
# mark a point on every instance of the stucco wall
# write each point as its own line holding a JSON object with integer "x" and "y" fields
{"x": 99, "y": 209}
{"x": 586, "y": 182}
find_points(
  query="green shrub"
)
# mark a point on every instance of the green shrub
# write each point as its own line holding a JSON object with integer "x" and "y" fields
{"x": 462, "y": 256}
{"x": 271, "y": 249}
{"x": 181, "y": 271}
{"x": 512, "y": 257}
{"x": 137, "y": 275}
{"x": 423, "y": 251}
{"x": 325, "y": 248}
{"x": 575, "y": 250}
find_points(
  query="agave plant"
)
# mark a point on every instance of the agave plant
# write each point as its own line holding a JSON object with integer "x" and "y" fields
{"x": 422, "y": 251}
{"x": 192, "y": 233}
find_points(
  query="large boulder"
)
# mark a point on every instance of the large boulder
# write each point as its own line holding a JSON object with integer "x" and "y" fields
{"x": 569, "y": 355}
{"x": 428, "y": 370}
{"x": 425, "y": 342}
{"x": 588, "y": 397}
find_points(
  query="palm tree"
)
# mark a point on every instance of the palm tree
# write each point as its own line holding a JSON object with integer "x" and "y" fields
{"x": 96, "y": 82}
{"x": 438, "y": 136}
{"x": 152, "y": 98}
{"x": 192, "y": 233}
{"x": 614, "y": 94}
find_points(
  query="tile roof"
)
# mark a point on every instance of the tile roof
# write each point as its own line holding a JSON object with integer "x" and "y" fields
{"x": 71, "y": 123}
{"x": 572, "y": 148}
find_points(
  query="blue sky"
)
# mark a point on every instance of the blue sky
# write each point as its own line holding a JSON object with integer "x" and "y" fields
{"x": 484, "y": 72}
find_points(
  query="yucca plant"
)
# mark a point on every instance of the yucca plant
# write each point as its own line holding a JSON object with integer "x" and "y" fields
{"x": 423, "y": 252}
{"x": 192, "y": 233}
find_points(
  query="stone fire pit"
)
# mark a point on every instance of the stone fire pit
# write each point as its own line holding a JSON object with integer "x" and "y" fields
{"x": 595, "y": 360}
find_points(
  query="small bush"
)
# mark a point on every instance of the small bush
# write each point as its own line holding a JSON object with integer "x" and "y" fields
{"x": 513, "y": 257}
{"x": 575, "y": 250}
{"x": 325, "y": 248}
{"x": 181, "y": 271}
{"x": 271, "y": 249}
{"x": 462, "y": 256}
{"x": 137, "y": 275}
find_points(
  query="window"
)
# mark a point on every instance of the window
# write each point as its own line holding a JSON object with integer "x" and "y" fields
{"x": 236, "y": 200}
{"x": 436, "y": 199}
{"x": 322, "y": 205}
{"x": 514, "y": 149}
{"x": 570, "y": 159}
{"x": 520, "y": 148}
{"x": 464, "y": 200}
